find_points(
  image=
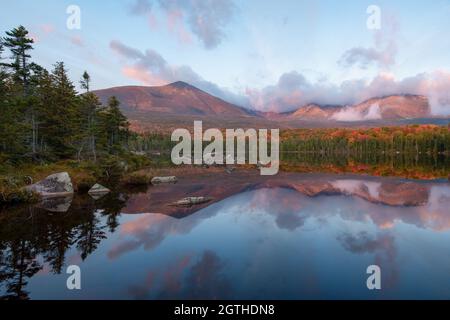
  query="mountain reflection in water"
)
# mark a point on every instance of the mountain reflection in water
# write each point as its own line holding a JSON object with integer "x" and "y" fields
{"x": 292, "y": 236}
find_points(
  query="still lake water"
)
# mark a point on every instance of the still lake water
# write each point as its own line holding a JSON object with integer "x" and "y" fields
{"x": 296, "y": 236}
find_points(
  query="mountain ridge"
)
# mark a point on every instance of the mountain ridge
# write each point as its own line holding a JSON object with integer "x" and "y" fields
{"x": 181, "y": 102}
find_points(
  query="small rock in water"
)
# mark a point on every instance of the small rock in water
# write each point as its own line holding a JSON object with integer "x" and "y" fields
{"x": 170, "y": 179}
{"x": 190, "y": 201}
{"x": 98, "y": 191}
{"x": 229, "y": 170}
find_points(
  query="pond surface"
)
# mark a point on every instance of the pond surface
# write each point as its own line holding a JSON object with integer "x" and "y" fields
{"x": 293, "y": 236}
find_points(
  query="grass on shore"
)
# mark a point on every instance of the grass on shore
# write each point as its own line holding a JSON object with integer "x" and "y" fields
{"x": 109, "y": 171}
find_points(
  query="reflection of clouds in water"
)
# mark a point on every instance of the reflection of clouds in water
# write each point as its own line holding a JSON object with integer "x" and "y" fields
{"x": 205, "y": 280}
{"x": 363, "y": 242}
{"x": 284, "y": 204}
{"x": 291, "y": 209}
{"x": 147, "y": 230}
{"x": 169, "y": 279}
{"x": 382, "y": 245}
{"x": 436, "y": 213}
{"x": 352, "y": 186}
{"x": 150, "y": 229}
{"x": 188, "y": 277}
{"x": 273, "y": 223}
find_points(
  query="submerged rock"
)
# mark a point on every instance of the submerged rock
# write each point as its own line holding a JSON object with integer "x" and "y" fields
{"x": 98, "y": 191}
{"x": 190, "y": 201}
{"x": 55, "y": 185}
{"x": 170, "y": 179}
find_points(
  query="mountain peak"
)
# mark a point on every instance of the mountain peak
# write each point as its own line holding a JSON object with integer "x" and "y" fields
{"x": 181, "y": 85}
{"x": 177, "y": 98}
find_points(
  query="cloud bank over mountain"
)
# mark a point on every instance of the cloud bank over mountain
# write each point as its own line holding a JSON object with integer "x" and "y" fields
{"x": 294, "y": 90}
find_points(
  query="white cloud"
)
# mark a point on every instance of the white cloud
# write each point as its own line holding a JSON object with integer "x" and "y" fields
{"x": 382, "y": 54}
{"x": 350, "y": 114}
{"x": 206, "y": 19}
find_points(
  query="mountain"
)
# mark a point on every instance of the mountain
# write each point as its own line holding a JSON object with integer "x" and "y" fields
{"x": 314, "y": 111}
{"x": 179, "y": 104}
{"x": 178, "y": 98}
{"x": 395, "y": 107}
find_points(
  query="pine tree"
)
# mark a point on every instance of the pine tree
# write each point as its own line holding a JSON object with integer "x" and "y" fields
{"x": 11, "y": 129}
{"x": 63, "y": 115}
{"x": 44, "y": 105}
{"x": 4, "y": 113}
{"x": 19, "y": 45}
{"x": 85, "y": 81}
{"x": 114, "y": 125}
{"x": 90, "y": 107}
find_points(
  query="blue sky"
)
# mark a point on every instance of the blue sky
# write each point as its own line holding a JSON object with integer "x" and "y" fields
{"x": 267, "y": 54}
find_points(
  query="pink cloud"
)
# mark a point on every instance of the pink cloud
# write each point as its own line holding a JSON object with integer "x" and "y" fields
{"x": 77, "y": 40}
{"x": 47, "y": 28}
{"x": 176, "y": 26}
{"x": 142, "y": 75}
{"x": 152, "y": 21}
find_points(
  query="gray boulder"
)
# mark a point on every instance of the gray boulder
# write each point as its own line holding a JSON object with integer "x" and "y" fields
{"x": 55, "y": 185}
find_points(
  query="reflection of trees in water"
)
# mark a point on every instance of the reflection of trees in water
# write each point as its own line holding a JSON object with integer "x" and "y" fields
{"x": 17, "y": 264}
{"x": 31, "y": 237}
{"x": 403, "y": 164}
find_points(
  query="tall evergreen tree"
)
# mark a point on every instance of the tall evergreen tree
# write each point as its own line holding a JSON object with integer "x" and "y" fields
{"x": 11, "y": 129}
{"x": 43, "y": 93}
{"x": 85, "y": 81}
{"x": 19, "y": 45}
{"x": 18, "y": 42}
{"x": 90, "y": 107}
{"x": 114, "y": 125}
{"x": 62, "y": 116}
